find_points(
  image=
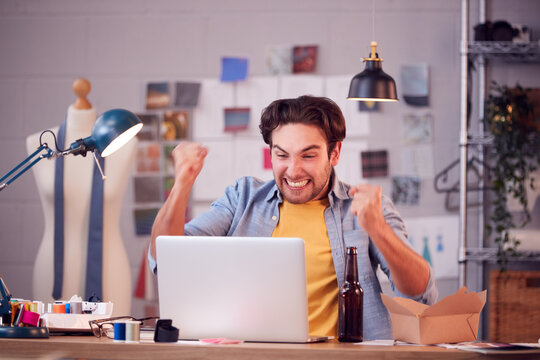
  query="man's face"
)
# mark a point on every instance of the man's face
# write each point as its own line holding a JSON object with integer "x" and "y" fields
{"x": 300, "y": 162}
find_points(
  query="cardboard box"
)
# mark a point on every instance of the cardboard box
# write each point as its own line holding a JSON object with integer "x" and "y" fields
{"x": 453, "y": 319}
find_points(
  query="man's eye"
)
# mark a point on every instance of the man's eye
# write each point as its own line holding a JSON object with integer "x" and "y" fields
{"x": 282, "y": 156}
{"x": 309, "y": 156}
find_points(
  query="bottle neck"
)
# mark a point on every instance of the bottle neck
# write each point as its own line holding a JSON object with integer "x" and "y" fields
{"x": 351, "y": 269}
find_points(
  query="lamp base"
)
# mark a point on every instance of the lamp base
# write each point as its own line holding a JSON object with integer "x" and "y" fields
{"x": 23, "y": 332}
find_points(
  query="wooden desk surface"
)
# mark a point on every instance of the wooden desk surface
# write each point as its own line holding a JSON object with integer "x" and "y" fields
{"x": 103, "y": 348}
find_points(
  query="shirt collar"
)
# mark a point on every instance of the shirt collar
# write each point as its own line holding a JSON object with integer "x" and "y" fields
{"x": 339, "y": 189}
{"x": 274, "y": 193}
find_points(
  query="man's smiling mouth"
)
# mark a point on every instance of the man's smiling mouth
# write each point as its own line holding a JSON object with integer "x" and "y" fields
{"x": 296, "y": 184}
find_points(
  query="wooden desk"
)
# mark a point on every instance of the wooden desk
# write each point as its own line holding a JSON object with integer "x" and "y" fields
{"x": 93, "y": 348}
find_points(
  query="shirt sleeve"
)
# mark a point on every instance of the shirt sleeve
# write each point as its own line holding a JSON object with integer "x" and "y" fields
{"x": 214, "y": 222}
{"x": 394, "y": 220}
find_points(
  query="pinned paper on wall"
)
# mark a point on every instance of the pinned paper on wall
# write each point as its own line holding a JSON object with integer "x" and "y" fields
{"x": 267, "y": 158}
{"x": 150, "y": 129}
{"x": 405, "y": 190}
{"x": 215, "y": 96}
{"x": 414, "y": 83}
{"x": 374, "y": 163}
{"x": 304, "y": 59}
{"x": 175, "y": 125}
{"x": 349, "y": 167}
{"x": 234, "y": 69}
{"x": 417, "y": 128}
{"x": 417, "y": 160}
{"x": 157, "y": 95}
{"x": 436, "y": 239}
{"x": 371, "y": 106}
{"x": 144, "y": 219}
{"x": 148, "y": 157}
{"x": 147, "y": 189}
{"x": 218, "y": 171}
{"x": 256, "y": 93}
{"x": 292, "y": 86}
{"x": 236, "y": 119}
{"x": 279, "y": 59}
{"x": 249, "y": 162}
{"x": 187, "y": 94}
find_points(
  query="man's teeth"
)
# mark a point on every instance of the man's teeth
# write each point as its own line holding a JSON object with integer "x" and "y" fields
{"x": 297, "y": 184}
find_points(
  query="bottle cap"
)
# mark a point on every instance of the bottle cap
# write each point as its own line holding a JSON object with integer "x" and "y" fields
{"x": 352, "y": 250}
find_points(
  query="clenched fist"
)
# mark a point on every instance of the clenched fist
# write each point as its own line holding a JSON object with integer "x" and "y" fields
{"x": 367, "y": 206}
{"x": 188, "y": 158}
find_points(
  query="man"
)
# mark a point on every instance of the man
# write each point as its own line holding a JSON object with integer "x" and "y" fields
{"x": 307, "y": 200}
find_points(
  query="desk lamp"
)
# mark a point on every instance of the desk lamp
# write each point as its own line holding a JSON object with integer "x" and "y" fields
{"x": 112, "y": 130}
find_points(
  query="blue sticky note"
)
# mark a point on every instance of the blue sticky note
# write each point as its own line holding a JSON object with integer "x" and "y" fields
{"x": 233, "y": 69}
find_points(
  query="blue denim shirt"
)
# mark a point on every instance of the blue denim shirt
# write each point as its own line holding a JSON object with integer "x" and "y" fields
{"x": 251, "y": 208}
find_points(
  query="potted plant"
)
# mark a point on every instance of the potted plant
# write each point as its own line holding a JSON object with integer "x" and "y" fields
{"x": 510, "y": 118}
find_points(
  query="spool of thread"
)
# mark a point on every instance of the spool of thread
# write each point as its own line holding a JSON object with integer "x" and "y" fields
{"x": 30, "y": 318}
{"x": 119, "y": 331}
{"x": 59, "y": 308}
{"x": 67, "y": 308}
{"x": 75, "y": 307}
{"x": 133, "y": 331}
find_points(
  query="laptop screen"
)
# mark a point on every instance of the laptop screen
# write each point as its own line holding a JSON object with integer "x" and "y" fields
{"x": 242, "y": 288}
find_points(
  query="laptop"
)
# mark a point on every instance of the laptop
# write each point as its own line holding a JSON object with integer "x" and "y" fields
{"x": 240, "y": 288}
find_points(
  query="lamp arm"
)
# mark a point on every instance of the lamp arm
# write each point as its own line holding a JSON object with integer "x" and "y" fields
{"x": 46, "y": 154}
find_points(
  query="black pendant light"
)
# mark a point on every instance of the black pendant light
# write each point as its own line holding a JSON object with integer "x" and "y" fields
{"x": 373, "y": 84}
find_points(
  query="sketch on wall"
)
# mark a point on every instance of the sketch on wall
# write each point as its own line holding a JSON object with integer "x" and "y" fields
{"x": 436, "y": 239}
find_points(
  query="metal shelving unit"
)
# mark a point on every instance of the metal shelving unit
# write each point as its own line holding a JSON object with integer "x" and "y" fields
{"x": 480, "y": 52}
{"x": 505, "y": 51}
{"x": 490, "y": 255}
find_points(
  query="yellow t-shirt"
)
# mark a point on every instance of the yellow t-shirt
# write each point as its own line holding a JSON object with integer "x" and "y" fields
{"x": 307, "y": 222}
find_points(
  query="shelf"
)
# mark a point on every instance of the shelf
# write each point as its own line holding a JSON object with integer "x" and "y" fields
{"x": 479, "y": 139}
{"x": 505, "y": 51}
{"x": 490, "y": 255}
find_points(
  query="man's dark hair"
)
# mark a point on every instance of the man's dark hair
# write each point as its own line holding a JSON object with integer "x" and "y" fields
{"x": 309, "y": 110}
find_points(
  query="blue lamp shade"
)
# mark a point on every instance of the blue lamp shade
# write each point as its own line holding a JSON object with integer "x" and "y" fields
{"x": 112, "y": 130}
{"x": 373, "y": 84}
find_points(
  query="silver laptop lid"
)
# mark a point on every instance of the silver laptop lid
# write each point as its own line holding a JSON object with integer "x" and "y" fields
{"x": 244, "y": 288}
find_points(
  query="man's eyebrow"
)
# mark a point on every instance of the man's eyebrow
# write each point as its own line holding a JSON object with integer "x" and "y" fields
{"x": 310, "y": 147}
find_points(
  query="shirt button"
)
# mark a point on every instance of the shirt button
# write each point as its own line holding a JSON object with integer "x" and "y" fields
{"x": 274, "y": 217}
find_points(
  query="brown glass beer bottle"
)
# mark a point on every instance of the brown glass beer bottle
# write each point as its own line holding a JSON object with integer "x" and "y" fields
{"x": 351, "y": 302}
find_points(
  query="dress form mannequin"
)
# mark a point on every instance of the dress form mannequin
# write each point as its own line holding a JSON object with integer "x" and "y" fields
{"x": 77, "y": 192}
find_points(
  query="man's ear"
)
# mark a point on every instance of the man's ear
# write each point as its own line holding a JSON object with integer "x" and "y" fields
{"x": 334, "y": 155}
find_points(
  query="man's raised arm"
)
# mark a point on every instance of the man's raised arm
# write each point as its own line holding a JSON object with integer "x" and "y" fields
{"x": 409, "y": 270}
{"x": 188, "y": 159}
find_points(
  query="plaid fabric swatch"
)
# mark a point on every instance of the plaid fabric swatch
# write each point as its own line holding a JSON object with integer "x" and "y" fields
{"x": 374, "y": 163}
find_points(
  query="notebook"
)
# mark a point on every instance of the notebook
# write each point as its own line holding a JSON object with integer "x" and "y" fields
{"x": 240, "y": 288}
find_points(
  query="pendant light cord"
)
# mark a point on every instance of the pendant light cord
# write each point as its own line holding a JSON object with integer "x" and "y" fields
{"x": 373, "y": 20}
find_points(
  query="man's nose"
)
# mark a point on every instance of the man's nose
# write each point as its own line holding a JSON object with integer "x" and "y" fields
{"x": 295, "y": 167}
